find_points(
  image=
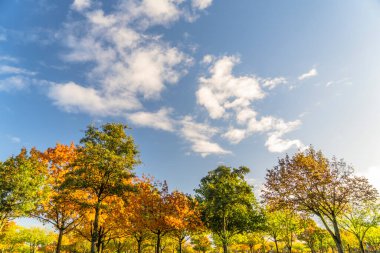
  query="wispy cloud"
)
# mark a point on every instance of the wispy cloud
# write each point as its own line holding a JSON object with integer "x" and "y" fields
{"x": 272, "y": 83}
{"x": 80, "y": 5}
{"x": 158, "y": 120}
{"x": 7, "y": 69}
{"x": 199, "y": 135}
{"x": 231, "y": 98}
{"x": 201, "y": 4}
{"x": 130, "y": 64}
{"x": 311, "y": 73}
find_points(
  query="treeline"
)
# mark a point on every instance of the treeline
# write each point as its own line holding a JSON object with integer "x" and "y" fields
{"x": 89, "y": 195}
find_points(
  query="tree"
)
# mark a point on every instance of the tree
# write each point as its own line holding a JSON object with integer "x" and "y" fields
{"x": 59, "y": 208}
{"x": 108, "y": 224}
{"x": 201, "y": 242}
{"x": 310, "y": 182}
{"x": 134, "y": 216}
{"x": 282, "y": 225}
{"x": 22, "y": 179}
{"x": 228, "y": 204}
{"x": 36, "y": 238}
{"x": 359, "y": 219}
{"x": 251, "y": 240}
{"x": 159, "y": 210}
{"x": 373, "y": 238}
{"x": 309, "y": 232}
{"x": 102, "y": 169}
{"x": 274, "y": 226}
{"x": 186, "y": 218}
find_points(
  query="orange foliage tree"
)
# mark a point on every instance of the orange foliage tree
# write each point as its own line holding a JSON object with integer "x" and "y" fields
{"x": 186, "y": 217}
{"x": 59, "y": 209}
{"x": 103, "y": 169}
{"x": 108, "y": 223}
{"x": 133, "y": 217}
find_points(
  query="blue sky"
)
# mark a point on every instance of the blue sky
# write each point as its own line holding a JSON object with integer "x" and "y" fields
{"x": 201, "y": 83}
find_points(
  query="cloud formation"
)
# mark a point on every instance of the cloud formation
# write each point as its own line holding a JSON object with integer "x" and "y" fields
{"x": 130, "y": 65}
{"x": 158, "y": 120}
{"x": 199, "y": 135}
{"x": 311, "y": 73}
{"x": 231, "y": 98}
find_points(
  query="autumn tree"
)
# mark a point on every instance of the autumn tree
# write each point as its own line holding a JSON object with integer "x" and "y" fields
{"x": 22, "y": 179}
{"x": 59, "y": 209}
{"x": 228, "y": 204}
{"x": 186, "y": 218}
{"x": 310, "y": 182}
{"x": 102, "y": 169}
{"x": 134, "y": 217}
{"x": 108, "y": 224}
{"x": 160, "y": 211}
{"x": 359, "y": 219}
{"x": 309, "y": 232}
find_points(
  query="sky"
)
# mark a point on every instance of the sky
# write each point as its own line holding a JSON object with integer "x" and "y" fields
{"x": 201, "y": 83}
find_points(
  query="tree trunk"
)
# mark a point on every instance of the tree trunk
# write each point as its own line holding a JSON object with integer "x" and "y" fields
{"x": 158, "y": 244}
{"x": 225, "y": 247}
{"x": 276, "y": 244}
{"x": 180, "y": 240}
{"x": 95, "y": 235}
{"x": 59, "y": 242}
{"x": 251, "y": 248}
{"x": 337, "y": 238}
{"x": 362, "y": 250}
{"x": 139, "y": 244}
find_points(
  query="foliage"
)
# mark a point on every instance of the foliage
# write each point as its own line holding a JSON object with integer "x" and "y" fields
{"x": 310, "y": 182}
{"x": 22, "y": 179}
{"x": 228, "y": 204}
{"x": 102, "y": 169}
{"x": 359, "y": 219}
{"x": 59, "y": 209}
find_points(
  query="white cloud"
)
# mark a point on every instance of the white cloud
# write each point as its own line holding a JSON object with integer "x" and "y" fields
{"x": 15, "y": 139}
{"x": 158, "y": 120}
{"x": 80, "y": 5}
{"x": 76, "y": 98}
{"x": 199, "y": 135}
{"x": 275, "y": 142}
{"x": 235, "y": 135}
{"x": 222, "y": 90}
{"x": 225, "y": 95}
{"x": 129, "y": 64}
{"x": 6, "y": 69}
{"x": 201, "y": 4}
{"x": 272, "y": 83}
{"x": 311, "y": 73}
{"x": 14, "y": 83}
{"x": 5, "y": 58}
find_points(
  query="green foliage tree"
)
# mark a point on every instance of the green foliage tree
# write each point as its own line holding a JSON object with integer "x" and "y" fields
{"x": 309, "y": 232}
{"x": 283, "y": 225}
{"x": 228, "y": 204}
{"x": 36, "y": 238}
{"x": 373, "y": 239}
{"x": 22, "y": 179}
{"x": 102, "y": 169}
{"x": 359, "y": 219}
{"x": 310, "y": 182}
{"x": 201, "y": 242}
